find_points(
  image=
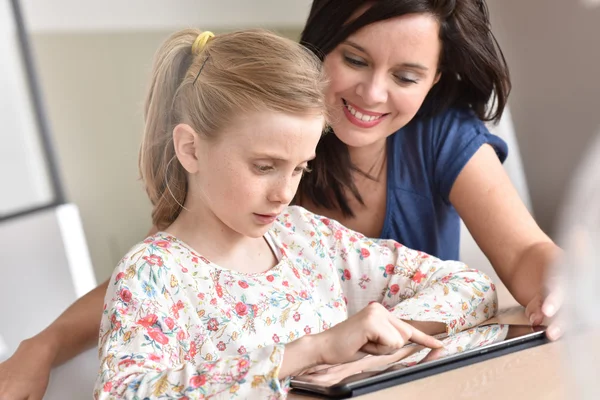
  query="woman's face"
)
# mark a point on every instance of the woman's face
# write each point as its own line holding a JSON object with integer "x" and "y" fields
{"x": 380, "y": 76}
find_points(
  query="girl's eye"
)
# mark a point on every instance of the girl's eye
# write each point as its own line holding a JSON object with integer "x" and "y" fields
{"x": 263, "y": 168}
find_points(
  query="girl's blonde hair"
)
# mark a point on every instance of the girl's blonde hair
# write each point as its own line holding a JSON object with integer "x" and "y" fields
{"x": 233, "y": 74}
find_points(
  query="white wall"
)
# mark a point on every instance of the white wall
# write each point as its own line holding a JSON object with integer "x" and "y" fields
{"x": 45, "y": 267}
{"x": 553, "y": 51}
{"x": 135, "y": 15}
{"x": 25, "y": 180}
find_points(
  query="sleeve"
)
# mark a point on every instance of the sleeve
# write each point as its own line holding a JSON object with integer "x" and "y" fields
{"x": 456, "y": 136}
{"x": 152, "y": 344}
{"x": 411, "y": 284}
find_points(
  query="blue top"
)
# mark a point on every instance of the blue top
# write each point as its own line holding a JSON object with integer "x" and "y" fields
{"x": 424, "y": 159}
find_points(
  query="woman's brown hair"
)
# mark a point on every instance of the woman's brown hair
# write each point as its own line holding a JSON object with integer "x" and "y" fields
{"x": 473, "y": 72}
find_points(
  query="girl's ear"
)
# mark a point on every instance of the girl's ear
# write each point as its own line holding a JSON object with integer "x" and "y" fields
{"x": 186, "y": 141}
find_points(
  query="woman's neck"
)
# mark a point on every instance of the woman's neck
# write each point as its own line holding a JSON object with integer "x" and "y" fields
{"x": 370, "y": 160}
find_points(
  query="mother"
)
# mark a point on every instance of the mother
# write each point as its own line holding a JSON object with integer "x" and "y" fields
{"x": 408, "y": 155}
{"x": 411, "y": 85}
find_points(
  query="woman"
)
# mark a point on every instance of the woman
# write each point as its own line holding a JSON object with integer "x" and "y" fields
{"x": 409, "y": 154}
{"x": 410, "y": 84}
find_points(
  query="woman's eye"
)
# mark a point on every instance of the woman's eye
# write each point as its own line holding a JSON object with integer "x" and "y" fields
{"x": 405, "y": 79}
{"x": 357, "y": 62}
{"x": 301, "y": 170}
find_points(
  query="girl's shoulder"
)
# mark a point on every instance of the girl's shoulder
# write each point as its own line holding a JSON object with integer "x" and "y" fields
{"x": 295, "y": 217}
{"x": 156, "y": 250}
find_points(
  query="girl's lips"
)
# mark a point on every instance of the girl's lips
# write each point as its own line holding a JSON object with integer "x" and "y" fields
{"x": 265, "y": 219}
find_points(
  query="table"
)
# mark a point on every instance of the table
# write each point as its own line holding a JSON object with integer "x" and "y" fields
{"x": 534, "y": 373}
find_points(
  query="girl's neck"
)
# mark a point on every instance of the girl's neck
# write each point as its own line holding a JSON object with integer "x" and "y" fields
{"x": 211, "y": 238}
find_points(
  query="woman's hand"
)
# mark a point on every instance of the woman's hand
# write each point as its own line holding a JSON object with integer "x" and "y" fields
{"x": 544, "y": 307}
{"x": 25, "y": 375}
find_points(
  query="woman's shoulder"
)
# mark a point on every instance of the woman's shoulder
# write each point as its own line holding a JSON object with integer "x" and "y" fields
{"x": 450, "y": 130}
{"x": 449, "y": 121}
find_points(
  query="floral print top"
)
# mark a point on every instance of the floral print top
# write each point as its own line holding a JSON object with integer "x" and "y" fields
{"x": 176, "y": 326}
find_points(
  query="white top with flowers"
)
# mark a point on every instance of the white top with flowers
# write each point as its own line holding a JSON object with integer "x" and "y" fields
{"x": 177, "y": 326}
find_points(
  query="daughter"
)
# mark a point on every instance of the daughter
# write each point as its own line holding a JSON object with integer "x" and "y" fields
{"x": 239, "y": 292}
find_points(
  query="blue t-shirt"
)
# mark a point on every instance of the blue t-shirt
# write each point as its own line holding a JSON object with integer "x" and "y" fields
{"x": 424, "y": 159}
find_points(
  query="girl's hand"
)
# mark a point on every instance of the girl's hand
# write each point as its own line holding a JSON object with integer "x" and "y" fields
{"x": 373, "y": 330}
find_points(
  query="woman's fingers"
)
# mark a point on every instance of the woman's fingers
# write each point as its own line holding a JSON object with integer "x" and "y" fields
{"x": 553, "y": 301}
{"x": 534, "y": 310}
{"x": 554, "y": 331}
{"x": 540, "y": 309}
{"x": 550, "y": 308}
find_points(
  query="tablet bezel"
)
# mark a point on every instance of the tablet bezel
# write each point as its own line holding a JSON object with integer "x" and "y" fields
{"x": 349, "y": 387}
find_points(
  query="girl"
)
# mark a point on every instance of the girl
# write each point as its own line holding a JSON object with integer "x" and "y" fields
{"x": 238, "y": 291}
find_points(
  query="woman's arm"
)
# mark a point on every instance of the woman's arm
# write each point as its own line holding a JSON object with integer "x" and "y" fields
{"x": 517, "y": 248}
{"x": 76, "y": 329}
{"x": 26, "y": 373}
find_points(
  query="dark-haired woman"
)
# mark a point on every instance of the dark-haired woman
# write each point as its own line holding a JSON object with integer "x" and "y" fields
{"x": 411, "y": 84}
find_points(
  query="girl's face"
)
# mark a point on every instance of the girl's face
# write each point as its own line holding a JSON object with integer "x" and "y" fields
{"x": 246, "y": 176}
{"x": 380, "y": 76}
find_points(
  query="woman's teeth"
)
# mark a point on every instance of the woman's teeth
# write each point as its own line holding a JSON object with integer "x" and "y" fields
{"x": 361, "y": 116}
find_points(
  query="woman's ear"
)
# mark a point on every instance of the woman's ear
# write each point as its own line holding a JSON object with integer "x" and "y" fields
{"x": 186, "y": 141}
{"x": 437, "y": 78}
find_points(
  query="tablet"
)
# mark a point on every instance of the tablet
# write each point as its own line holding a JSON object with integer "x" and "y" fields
{"x": 412, "y": 362}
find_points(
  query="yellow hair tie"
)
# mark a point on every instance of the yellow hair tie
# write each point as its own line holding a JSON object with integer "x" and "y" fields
{"x": 201, "y": 41}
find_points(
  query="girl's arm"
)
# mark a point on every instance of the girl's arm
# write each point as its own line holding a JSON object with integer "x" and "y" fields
{"x": 434, "y": 295}
{"x": 152, "y": 343}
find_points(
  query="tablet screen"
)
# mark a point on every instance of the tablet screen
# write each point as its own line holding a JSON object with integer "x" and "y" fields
{"x": 412, "y": 357}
